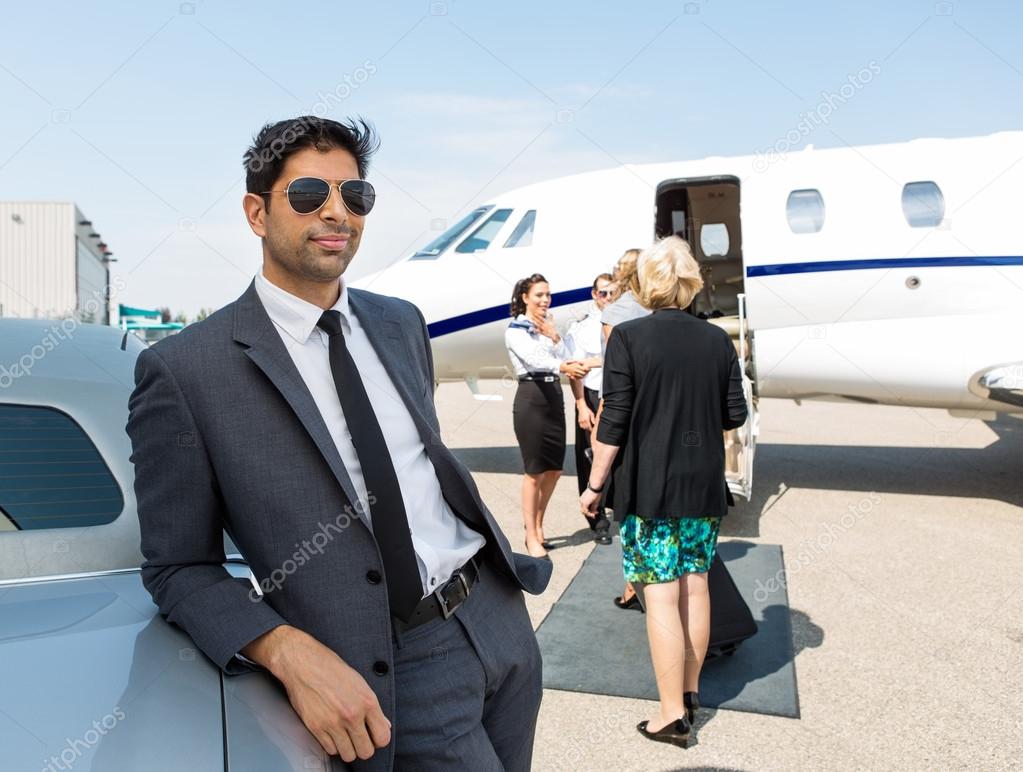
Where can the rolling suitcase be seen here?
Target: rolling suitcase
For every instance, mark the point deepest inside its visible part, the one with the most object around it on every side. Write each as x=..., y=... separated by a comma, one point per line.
x=731, y=621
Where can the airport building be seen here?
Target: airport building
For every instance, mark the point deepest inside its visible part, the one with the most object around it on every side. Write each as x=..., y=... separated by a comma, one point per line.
x=53, y=263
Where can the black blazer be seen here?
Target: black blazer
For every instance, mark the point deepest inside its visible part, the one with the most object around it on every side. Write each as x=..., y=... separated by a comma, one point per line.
x=671, y=387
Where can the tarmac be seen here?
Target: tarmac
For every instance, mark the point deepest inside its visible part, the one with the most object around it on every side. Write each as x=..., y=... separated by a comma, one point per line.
x=902, y=531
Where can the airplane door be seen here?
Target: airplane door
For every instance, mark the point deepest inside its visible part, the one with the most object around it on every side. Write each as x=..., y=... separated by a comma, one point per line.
x=705, y=211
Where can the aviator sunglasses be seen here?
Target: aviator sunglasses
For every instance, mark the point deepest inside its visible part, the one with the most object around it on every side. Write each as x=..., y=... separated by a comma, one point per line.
x=308, y=194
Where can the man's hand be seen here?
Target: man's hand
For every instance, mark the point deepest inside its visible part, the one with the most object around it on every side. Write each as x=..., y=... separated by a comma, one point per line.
x=573, y=368
x=332, y=699
x=585, y=415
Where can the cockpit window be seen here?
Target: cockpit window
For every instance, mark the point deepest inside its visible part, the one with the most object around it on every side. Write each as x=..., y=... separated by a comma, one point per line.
x=433, y=250
x=483, y=235
x=522, y=236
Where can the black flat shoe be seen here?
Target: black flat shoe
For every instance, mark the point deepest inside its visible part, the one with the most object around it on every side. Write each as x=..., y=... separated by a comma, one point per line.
x=675, y=733
x=692, y=702
x=625, y=605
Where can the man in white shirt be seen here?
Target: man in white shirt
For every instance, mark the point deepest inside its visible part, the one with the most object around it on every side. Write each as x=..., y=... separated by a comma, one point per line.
x=300, y=419
x=586, y=336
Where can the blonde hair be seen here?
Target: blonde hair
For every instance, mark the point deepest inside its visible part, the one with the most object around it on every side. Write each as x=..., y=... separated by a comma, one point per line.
x=625, y=279
x=668, y=274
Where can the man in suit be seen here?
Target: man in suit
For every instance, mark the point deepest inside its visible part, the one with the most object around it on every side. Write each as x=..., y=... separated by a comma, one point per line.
x=300, y=419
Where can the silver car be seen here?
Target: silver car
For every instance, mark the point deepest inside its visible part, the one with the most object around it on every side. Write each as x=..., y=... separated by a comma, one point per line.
x=91, y=677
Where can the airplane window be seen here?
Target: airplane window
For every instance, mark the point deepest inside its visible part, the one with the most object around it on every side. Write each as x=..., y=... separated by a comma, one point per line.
x=923, y=204
x=522, y=236
x=433, y=250
x=714, y=239
x=483, y=235
x=51, y=475
x=805, y=211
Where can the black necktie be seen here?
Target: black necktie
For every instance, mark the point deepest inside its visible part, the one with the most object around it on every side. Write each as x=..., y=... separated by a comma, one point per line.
x=390, y=522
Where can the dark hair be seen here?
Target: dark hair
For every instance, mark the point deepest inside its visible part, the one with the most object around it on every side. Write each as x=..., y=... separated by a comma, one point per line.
x=604, y=276
x=522, y=287
x=275, y=142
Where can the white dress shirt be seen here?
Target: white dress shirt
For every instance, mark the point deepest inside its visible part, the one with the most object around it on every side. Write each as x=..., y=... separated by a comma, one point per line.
x=587, y=341
x=531, y=352
x=442, y=542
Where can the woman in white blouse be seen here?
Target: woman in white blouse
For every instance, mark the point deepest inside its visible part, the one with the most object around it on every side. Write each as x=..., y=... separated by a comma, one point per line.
x=539, y=356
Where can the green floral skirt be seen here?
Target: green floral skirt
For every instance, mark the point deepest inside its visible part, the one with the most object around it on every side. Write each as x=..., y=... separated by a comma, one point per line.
x=656, y=550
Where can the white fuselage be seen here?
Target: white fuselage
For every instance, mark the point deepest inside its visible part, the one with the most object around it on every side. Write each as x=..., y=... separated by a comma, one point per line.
x=867, y=308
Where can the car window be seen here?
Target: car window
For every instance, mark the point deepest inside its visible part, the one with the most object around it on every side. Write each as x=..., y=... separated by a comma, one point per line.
x=51, y=474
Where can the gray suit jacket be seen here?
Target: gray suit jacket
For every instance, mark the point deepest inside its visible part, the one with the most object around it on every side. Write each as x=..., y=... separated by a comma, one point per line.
x=226, y=435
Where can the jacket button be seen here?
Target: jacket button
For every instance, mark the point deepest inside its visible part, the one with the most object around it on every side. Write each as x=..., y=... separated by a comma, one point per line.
x=380, y=667
x=373, y=576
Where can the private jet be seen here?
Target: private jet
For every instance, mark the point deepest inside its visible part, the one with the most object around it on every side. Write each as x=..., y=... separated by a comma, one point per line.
x=884, y=274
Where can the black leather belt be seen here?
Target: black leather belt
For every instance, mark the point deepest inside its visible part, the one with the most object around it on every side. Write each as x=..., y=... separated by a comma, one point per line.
x=540, y=377
x=443, y=601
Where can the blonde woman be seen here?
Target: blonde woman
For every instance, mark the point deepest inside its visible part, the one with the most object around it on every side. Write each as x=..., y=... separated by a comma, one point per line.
x=624, y=291
x=671, y=387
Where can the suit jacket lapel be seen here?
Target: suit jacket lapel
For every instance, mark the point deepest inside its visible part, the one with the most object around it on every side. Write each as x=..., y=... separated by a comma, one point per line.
x=265, y=348
x=389, y=341
x=391, y=344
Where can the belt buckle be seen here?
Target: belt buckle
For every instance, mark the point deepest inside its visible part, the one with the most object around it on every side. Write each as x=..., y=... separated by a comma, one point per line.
x=445, y=610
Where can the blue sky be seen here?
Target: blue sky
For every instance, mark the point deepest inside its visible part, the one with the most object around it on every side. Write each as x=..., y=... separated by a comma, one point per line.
x=140, y=112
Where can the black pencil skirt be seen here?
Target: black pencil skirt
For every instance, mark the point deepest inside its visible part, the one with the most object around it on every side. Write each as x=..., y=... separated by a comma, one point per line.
x=539, y=418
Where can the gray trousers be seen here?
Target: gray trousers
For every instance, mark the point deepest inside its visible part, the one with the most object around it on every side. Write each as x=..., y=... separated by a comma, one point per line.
x=468, y=688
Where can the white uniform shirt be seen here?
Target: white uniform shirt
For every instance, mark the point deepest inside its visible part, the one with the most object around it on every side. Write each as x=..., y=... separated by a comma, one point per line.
x=441, y=541
x=531, y=352
x=587, y=342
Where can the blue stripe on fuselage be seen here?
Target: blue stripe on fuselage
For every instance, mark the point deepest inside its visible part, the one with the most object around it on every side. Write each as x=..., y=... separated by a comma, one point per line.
x=495, y=313
x=755, y=271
